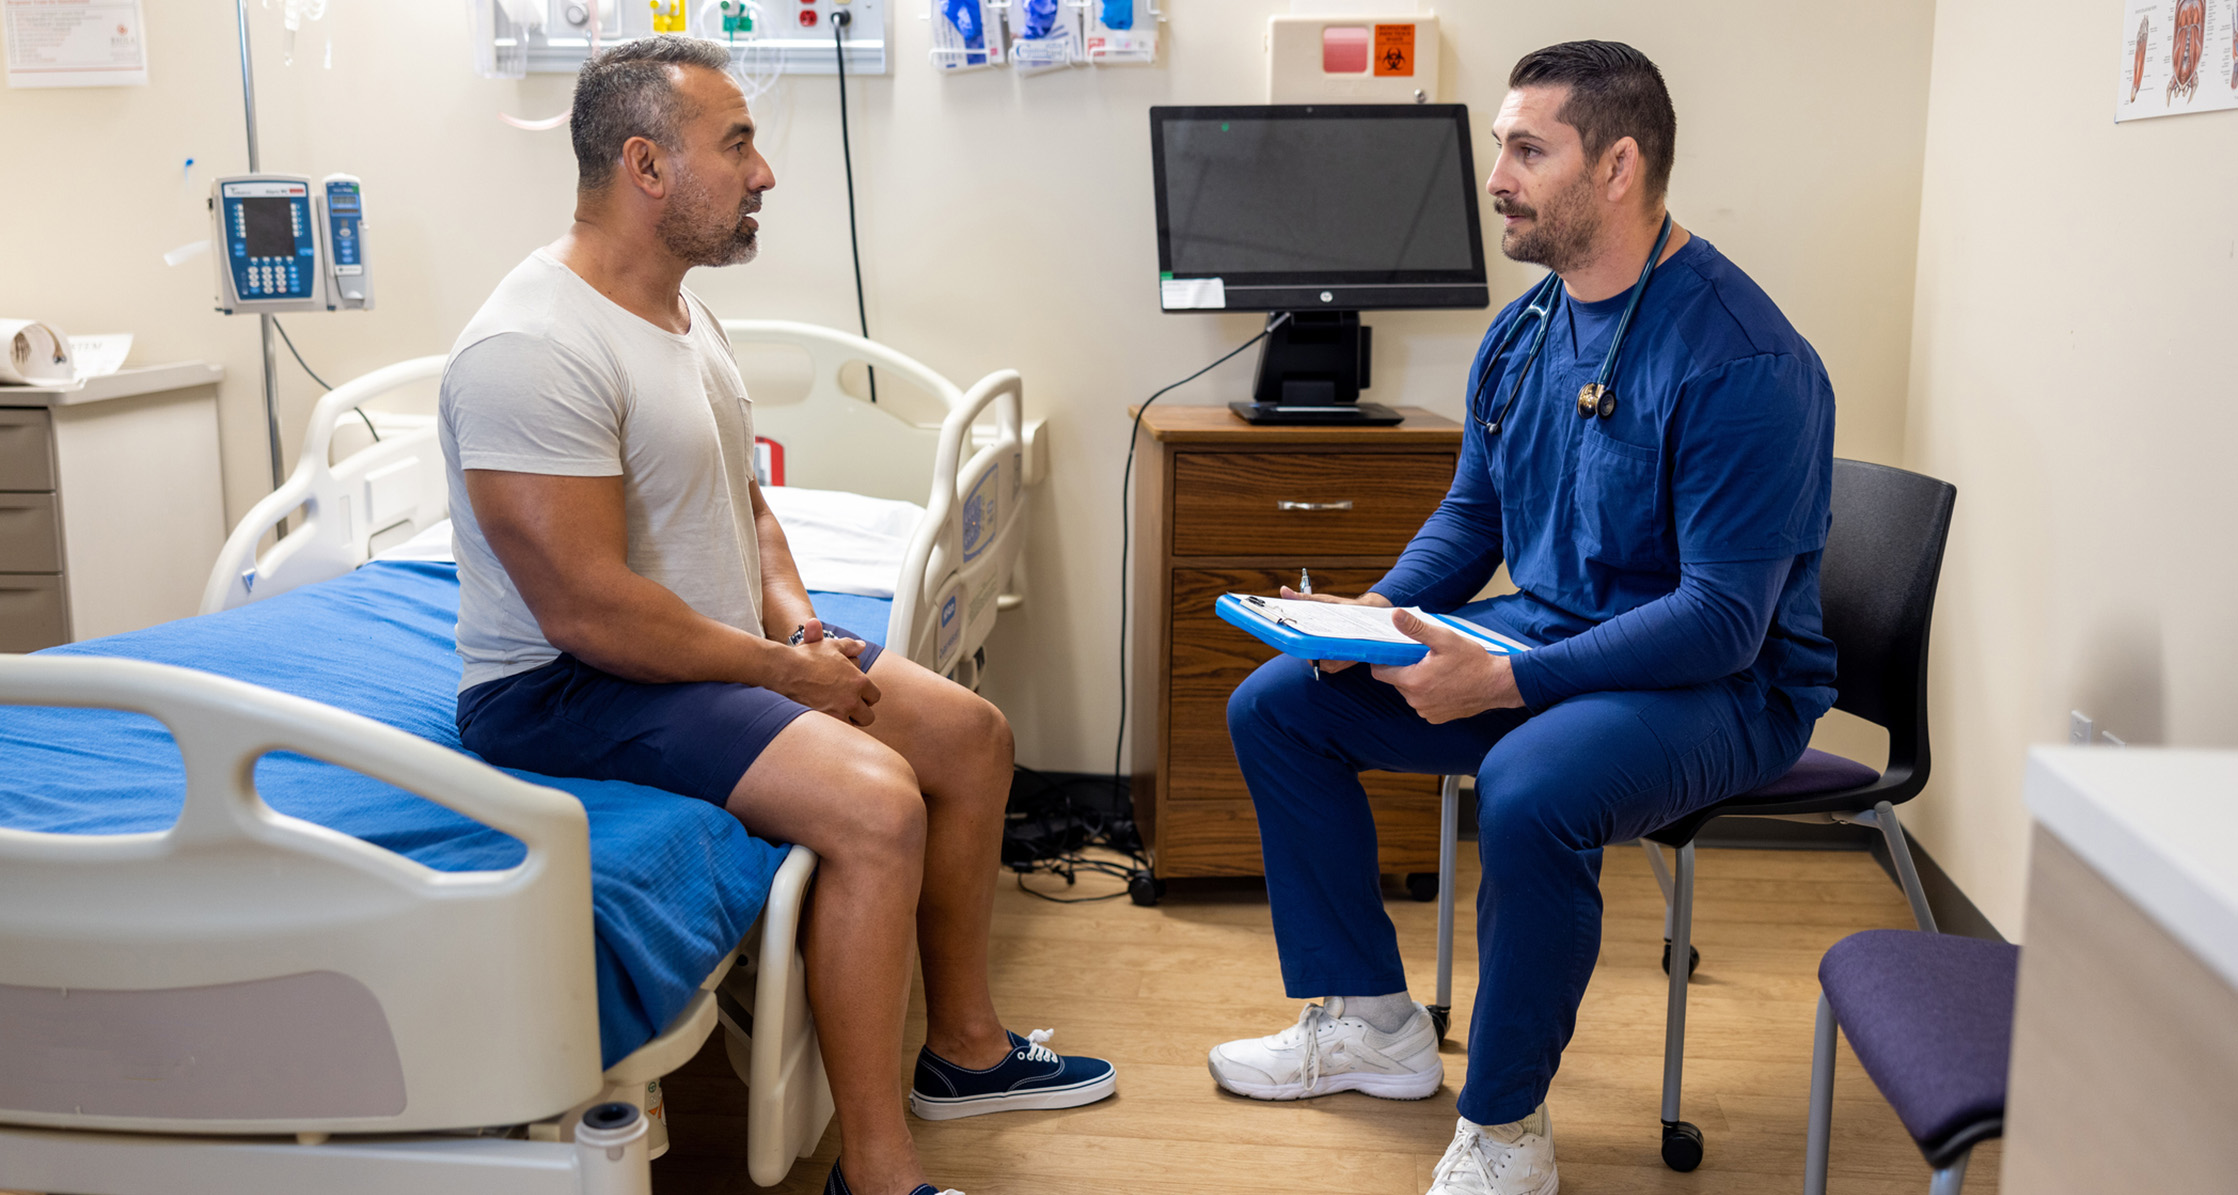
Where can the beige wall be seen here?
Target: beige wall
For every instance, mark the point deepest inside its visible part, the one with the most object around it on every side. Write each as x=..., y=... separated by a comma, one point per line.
x=2071, y=374
x=1007, y=222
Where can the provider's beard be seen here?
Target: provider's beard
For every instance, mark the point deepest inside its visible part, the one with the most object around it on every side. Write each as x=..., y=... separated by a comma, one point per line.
x=1561, y=234
x=697, y=230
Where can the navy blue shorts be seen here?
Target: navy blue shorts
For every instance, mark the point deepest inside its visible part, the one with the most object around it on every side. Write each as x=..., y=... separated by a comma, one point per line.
x=567, y=718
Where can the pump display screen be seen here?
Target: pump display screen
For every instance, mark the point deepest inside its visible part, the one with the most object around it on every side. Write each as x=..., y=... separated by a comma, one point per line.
x=268, y=227
x=1378, y=202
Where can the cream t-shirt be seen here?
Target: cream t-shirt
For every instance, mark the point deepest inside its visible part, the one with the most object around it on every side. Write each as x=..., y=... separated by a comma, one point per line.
x=553, y=377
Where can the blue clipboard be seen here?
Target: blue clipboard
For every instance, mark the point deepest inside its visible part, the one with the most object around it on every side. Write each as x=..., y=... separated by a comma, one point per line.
x=1291, y=642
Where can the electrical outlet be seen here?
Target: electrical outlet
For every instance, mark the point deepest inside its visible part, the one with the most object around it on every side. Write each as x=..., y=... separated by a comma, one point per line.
x=2078, y=728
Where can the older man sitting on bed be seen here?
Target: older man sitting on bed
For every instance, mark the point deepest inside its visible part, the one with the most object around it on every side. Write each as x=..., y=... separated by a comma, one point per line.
x=628, y=609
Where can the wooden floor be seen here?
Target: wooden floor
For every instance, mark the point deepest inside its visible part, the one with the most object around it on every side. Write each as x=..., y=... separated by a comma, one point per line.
x=1153, y=989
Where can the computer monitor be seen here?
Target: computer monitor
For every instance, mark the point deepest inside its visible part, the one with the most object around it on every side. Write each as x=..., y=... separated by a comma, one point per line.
x=1322, y=211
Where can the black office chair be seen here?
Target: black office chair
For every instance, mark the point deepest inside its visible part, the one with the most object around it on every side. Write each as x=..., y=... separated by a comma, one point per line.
x=1877, y=579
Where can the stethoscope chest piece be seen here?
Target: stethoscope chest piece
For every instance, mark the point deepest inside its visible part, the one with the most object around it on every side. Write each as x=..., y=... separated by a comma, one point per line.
x=1595, y=399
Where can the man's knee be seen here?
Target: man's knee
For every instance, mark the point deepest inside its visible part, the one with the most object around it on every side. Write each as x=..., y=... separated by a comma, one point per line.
x=1518, y=806
x=881, y=808
x=1257, y=704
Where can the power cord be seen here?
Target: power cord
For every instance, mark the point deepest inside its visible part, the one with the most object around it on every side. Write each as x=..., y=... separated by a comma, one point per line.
x=840, y=20
x=1119, y=778
x=321, y=381
x=1045, y=831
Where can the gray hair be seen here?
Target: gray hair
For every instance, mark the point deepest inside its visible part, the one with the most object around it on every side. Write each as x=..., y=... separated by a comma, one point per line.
x=629, y=91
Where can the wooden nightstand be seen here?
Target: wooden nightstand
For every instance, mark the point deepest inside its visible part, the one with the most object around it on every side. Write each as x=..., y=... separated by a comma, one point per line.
x=1222, y=505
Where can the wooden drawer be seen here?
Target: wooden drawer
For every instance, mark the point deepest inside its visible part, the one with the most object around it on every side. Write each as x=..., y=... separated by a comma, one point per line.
x=1214, y=838
x=26, y=460
x=1208, y=660
x=31, y=613
x=1304, y=503
x=30, y=534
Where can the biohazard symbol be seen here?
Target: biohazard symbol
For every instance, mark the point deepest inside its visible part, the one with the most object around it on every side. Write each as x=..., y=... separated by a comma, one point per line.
x=1394, y=50
x=2186, y=47
x=2137, y=66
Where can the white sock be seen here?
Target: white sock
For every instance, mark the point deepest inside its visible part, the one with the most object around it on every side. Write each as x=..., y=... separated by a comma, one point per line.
x=1509, y=1134
x=1388, y=1014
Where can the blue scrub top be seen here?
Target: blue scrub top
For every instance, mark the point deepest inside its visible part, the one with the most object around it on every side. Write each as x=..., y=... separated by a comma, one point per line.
x=1720, y=451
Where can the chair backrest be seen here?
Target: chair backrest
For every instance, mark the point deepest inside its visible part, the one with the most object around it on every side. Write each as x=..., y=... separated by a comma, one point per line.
x=1877, y=579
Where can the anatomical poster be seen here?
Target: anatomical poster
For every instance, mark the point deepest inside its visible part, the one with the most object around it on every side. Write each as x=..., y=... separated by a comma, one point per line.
x=2177, y=56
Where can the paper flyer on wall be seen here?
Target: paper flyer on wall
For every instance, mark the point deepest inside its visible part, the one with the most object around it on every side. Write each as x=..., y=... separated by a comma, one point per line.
x=2177, y=56
x=74, y=43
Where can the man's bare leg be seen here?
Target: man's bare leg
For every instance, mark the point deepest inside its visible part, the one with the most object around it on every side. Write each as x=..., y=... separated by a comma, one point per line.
x=960, y=747
x=857, y=804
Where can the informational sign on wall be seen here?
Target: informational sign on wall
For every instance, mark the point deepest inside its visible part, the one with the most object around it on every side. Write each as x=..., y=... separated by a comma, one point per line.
x=74, y=43
x=2177, y=56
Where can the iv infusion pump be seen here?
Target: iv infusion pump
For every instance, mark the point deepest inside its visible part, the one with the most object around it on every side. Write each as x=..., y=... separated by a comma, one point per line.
x=285, y=243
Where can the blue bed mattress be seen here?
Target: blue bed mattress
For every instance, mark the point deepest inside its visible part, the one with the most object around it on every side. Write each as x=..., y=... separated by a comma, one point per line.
x=675, y=881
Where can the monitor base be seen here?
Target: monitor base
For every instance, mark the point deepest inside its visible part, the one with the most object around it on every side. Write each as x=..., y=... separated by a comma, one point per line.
x=1366, y=414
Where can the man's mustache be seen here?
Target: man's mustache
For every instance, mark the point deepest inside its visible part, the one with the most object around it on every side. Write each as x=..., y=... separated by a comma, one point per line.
x=1511, y=207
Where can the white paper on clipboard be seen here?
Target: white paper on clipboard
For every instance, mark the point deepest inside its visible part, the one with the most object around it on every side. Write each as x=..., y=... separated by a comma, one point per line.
x=74, y=43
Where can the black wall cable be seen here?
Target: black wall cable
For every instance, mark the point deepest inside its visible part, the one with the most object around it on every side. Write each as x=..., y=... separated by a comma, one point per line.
x=1119, y=774
x=840, y=21
x=321, y=381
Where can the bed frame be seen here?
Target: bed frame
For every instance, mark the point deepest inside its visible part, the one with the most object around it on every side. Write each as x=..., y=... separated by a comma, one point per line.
x=137, y=1055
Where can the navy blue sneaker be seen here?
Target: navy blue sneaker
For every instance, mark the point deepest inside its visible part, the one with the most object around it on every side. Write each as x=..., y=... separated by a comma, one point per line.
x=1031, y=1076
x=836, y=1184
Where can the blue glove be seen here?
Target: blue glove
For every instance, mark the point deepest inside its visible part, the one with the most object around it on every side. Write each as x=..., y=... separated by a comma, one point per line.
x=1041, y=17
x=1118, y=14
x=964, y=15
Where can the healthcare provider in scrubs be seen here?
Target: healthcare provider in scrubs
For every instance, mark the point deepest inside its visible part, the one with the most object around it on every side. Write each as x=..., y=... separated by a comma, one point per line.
x=1662, y=510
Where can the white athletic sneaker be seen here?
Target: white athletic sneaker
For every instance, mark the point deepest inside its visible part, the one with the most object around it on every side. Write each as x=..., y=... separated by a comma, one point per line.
x=1478, y=1163
x=1327, y=1051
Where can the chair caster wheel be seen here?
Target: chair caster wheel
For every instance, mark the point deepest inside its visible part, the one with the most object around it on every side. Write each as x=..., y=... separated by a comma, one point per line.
x=1144, y=889
x=1422, y=885
x=1693, y=959
x=1442, y=1017
x=1682, y=1146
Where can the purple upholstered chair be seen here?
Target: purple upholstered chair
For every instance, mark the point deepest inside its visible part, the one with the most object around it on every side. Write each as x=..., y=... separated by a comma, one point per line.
x=1931, y=1019
x=1877, y=587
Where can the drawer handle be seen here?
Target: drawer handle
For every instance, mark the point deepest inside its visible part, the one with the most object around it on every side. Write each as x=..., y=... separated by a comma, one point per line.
x=1286, y=504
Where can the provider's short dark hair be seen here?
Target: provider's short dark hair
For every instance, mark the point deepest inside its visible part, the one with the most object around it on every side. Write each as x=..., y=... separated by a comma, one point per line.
x=629, y=91
x=1615, y=92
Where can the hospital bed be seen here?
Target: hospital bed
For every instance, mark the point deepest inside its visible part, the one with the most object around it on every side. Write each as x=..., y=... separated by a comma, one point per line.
x=323, y=952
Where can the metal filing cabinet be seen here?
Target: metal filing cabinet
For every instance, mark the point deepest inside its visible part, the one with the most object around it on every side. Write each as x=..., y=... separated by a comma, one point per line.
x=110, y=508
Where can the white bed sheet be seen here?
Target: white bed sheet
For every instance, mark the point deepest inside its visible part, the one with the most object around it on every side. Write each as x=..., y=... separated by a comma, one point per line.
x=842, y=542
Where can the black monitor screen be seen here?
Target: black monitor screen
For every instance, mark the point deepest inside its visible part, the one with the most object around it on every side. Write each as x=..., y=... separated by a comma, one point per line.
x=268, y=226
x=1275, y=198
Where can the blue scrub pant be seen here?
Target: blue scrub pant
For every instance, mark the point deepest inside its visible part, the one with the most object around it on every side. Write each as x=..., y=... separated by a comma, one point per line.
x=1552, y=789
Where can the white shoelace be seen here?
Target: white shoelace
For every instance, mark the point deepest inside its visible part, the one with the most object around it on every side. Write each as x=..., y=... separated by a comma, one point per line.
x=1309, y=1024
x=1469, y=1148
x=1035, y=1052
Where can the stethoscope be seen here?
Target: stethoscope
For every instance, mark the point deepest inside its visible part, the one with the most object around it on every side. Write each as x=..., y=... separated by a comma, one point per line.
x=1598, y=397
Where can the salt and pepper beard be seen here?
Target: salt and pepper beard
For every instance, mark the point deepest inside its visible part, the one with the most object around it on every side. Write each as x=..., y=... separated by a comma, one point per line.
x=698, y=230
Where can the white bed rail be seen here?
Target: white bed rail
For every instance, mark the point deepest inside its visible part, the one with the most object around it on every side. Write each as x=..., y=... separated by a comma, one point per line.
x=963, y=554
x=385, y=490
x=248, y=972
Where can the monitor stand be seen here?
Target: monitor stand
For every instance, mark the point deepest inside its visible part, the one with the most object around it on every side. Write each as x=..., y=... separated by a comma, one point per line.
x=1312, y=369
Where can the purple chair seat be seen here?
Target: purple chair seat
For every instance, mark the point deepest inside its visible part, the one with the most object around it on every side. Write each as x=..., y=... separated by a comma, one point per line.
x=1817, y=772
x=1931, y=1018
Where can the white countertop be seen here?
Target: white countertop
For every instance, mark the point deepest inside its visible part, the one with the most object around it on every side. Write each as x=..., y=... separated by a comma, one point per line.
x=2161, y=825
x=124, y=383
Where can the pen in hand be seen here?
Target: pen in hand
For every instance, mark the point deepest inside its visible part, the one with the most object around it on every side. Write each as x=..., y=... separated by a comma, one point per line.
x=1305, y=582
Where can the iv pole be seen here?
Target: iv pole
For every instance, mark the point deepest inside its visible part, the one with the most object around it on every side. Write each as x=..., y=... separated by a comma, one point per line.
x=264, y=318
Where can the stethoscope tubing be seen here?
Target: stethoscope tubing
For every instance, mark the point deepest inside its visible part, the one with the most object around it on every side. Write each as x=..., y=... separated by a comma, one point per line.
x=1540, y=306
